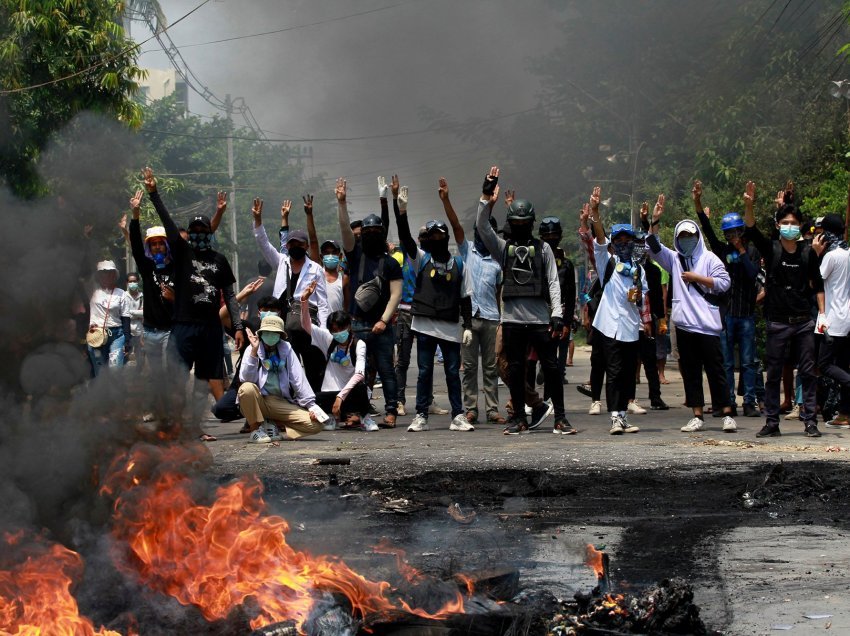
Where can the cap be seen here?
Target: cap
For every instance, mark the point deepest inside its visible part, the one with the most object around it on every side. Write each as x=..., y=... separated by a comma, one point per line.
x=622, y=228
x=272, y=323
x=298, y=235
x=106, y=266
x=157, y=231
x=819, y=221
x=201, y=219
x=687, y=226
x=832, y=223
x=329, y=243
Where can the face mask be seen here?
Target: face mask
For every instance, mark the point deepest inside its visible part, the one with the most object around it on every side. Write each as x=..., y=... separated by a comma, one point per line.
x=639, y=253
x=688, y=244
x=623, y=251
x=426, y=245
x=133, y=287
x=440, y=249
x=734, y=234
x=789, y=232
x=373, y=244
x=199, y=240
x=553, y=243
x=330, y=261
x=264, y=314
x=341, y=336
x=270, y=338
x=296, y=252
x=833, y=240
x=159, y=260
x=521, y=232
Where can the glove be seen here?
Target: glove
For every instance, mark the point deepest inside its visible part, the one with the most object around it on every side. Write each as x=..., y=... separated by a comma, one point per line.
x=662, y=327
x=467, y=337
x=402, y=199
x=821, y=325
x=489, y=185
x=383, y=188
x=556, y=326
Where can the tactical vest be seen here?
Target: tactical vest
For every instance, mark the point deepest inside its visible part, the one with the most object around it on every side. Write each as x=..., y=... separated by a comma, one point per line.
x=438, y=290
x=566, y=272
x=522, y=266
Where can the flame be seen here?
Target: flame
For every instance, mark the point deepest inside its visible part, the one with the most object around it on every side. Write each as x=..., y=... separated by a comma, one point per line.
x=35, y=595
x=593, y=559
x=468, y=582
x=614, y=602
x=218, y=556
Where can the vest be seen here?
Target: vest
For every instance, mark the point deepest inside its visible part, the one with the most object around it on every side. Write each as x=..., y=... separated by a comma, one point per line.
x=522, y=266
x=438, y=291
x=566, y=273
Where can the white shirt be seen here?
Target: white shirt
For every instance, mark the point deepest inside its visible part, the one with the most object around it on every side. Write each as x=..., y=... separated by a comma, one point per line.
x=136, y=313
x=118, y=307
x=336, y=375
x=616, y=317
x=336, y=299
x=441, y=329
x=835, y=270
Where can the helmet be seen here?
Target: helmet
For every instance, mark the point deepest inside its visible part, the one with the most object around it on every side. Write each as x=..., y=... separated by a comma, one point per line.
x=550, y=225
x=731, y=221
x=622, y=228
x=436, y=226
x=521, y=210
x=373, y=220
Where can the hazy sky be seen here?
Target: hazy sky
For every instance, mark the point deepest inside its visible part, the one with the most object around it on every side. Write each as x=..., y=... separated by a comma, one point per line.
x=371, y=74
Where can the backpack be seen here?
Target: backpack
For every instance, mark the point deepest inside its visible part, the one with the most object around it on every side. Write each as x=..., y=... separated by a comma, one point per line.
x=596, y=289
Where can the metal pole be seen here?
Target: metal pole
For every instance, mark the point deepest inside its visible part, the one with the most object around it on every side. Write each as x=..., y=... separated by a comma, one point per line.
x=234, y=261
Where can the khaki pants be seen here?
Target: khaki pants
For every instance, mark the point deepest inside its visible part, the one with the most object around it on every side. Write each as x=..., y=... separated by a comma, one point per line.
x=257, y=407
x=483, y=343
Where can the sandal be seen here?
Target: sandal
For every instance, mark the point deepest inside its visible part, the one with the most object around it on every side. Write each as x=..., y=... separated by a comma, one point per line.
x=352, y=421
x=208, y=438
x=389, y=421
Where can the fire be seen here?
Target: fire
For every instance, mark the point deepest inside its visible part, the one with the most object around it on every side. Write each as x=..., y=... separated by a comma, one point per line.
x=35, y=594
x=594, y=560
x=614, y=602
x=222, y=554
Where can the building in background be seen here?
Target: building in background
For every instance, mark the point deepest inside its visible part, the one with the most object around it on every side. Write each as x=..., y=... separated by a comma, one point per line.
x=161, y=83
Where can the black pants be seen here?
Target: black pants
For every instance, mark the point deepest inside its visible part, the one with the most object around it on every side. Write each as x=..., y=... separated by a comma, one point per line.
x=834, y=362
x=648, y=358
x=800, y=338
x=700, y=352
x=620, y=360
x=517, y=338
x=355, y=403
x=226, y=409
x=597, y=366
x=313, y=360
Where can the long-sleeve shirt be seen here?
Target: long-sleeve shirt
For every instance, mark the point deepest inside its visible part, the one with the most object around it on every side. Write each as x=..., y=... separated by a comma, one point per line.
x=616, y=317
x=157, y=311
x=484, y=275
x=292, y=383
x=136, y=304
x=524, y=310
x=310, y=271
x=742, y=268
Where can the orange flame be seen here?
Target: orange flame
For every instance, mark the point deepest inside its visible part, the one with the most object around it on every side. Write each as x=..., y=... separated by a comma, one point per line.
x=35, y=595
x=614, y=602
x=593, y=560
x=218, y=556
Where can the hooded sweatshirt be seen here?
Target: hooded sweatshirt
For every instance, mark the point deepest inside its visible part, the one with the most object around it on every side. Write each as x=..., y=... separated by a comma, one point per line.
x=691, y=311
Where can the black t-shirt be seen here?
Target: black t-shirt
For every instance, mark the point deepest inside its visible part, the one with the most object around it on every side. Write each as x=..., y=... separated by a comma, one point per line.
x=391, y=271
x=157, y=311
x=199, y=275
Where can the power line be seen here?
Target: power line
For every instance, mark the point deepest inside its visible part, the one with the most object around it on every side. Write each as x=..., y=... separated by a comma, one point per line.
x=102, y=62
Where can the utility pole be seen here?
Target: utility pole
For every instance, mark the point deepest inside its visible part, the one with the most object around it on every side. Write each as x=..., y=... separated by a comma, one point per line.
x=234, y=261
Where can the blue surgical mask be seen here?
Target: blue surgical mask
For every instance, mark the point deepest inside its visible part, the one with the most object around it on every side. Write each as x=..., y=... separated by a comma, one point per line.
x=270, y=338
x=789, y=232
x=330, y=261
x=133, y=287
x=159, y=260
x=264, y=314
x=688, y=245
x=341, y=336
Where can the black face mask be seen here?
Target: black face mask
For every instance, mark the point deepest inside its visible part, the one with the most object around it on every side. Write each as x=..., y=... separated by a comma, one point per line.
x=373, y=244
x=521, y=233
x=553, y=243
x=425, y=245
x=440, y=249
x=297, y=253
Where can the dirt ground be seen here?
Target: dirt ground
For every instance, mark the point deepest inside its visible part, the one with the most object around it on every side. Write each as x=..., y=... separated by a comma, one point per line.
x=757, y=526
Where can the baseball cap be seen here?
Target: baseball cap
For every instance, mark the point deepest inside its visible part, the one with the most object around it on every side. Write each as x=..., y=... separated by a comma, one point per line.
x=201, y=219
x=157, y=231
x=106, y=266
x=329, y=243
x=687, y=226
x=298, y=235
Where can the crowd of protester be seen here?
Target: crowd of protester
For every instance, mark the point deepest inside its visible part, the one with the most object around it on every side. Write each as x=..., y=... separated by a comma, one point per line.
x=329, y=322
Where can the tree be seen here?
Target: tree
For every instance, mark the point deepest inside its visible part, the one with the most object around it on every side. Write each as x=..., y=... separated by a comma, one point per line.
x=58, y=58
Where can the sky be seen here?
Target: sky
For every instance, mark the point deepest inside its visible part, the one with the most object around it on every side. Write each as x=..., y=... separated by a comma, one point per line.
x=370, y=74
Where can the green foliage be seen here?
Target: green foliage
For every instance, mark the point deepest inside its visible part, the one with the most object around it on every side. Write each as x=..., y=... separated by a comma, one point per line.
x=80, y=43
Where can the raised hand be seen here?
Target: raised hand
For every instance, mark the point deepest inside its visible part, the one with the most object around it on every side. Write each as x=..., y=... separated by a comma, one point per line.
x=644, y=211
x=122, y=223
x=221, y=202
x=257, y=212
x=510, y=195
x=707, y=211
x=136, y=203
x=252, y=287
x=308, y=291
x=491, y=180
x=308, y=204
x=750, y=195
x=658, y=210
x=402, y=199
x=595, y=198
x=696, y=192
x=341, y=189
x=148, y=179
x=285, y=207
x=395, y=186
x=583, y=216
x=383, y=188
x=443, y=189
x=254, y=339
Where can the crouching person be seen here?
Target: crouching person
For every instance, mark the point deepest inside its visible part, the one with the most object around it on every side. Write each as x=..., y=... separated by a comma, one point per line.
x=344, y=392
x=274, y=391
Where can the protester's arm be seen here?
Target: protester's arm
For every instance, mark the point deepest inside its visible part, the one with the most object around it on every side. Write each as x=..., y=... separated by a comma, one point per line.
x=585, y=235
x=703, y=215
x=272, y=256
x=569, y=302
x=660, y=253
x=249, y=369
x=749, y=263
x=233, y=310
x=220, y=209
x=594, y=218
x=359, y=372
x=408, y=243
x=451, y=215
x=312, y=235
x=552, y=281
x=137, y=246
x=243, y=295
x=392, y=304
x=344, y=223
x=283, y=232
x=306, y=323
x=122, y=225
x=749, y=205
x=302, y=394
x=175, y=241
x=489, y=195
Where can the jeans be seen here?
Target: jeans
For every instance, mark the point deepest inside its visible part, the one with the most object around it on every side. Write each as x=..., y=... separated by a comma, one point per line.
x=110, y=354
x=834, y=363
x=483, y=343
x=380, y=347
x=156, y=343
x=426, y=348
x=740, y=331
x=404, y=345
x=802, y=338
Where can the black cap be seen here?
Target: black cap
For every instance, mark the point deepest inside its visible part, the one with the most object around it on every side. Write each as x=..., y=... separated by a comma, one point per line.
x=298, y=235
x=201, y=220
x=330, y=243
x=833, y=223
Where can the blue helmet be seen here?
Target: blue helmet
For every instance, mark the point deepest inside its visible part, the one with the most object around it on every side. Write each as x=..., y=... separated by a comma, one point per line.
x=731, y=221
x=622, y=228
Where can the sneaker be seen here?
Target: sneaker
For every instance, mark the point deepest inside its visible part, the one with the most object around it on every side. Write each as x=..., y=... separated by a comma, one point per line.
x=794, y=413
x=516, y=426
x=330, y=424
x=461, y=423
x=419, y=423
x=751, y=410
x=540, y=413
x=378, y=385
x=436, y=409
x=628, y=427
x=659, y=405
x=769, y=430
x=636, y=409
x=618, y=426
x=729, y=425
x=259, y=437
x=584, y=389
x=563, y=427
x=694, y=424
x=595, y=408
x=400, y=409
x=812, y=430
x=839, y=421
x=272, y=431
x=369, y=424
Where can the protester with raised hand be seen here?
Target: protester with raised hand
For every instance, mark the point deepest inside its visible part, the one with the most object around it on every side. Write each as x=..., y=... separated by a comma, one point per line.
x=441, y=311
x=741, y=261
x=295, y=272
x=699, y=281
x=375, y=282
x=531, y=295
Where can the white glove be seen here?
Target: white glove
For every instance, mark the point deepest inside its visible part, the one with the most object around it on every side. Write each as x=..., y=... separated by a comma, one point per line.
x=821, y=326
x=402, y=199
x=383, y=188
x=467, y=337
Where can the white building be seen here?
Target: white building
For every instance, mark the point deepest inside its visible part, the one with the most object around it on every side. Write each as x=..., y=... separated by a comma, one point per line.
x=161, y=83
